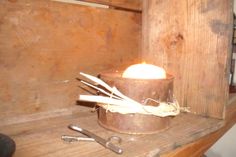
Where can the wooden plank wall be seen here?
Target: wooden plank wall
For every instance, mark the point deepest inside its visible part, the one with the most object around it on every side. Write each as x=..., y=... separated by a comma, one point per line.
x=44, y=45
x=135, y=5
x=191, y=40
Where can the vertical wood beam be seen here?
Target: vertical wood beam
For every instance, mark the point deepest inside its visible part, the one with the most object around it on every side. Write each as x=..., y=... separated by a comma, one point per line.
x=191, y=40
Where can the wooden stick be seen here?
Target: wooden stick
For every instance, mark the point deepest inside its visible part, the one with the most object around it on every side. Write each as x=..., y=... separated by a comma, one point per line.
x=89, y=4
x=106, y=100
x=99, y=89
x=112, y=90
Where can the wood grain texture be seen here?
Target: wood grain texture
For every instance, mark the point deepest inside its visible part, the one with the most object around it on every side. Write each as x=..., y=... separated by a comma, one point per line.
x=191, y=40
x=188, y=135
x=135, y=5
x=43, y=139
x=44, y=45
x=199, y=147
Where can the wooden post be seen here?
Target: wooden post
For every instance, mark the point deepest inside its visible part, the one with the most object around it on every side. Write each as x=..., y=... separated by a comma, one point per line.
x=191, y=40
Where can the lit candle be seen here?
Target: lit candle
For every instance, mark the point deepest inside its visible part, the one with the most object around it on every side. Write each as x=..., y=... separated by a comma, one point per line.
x=144, y=71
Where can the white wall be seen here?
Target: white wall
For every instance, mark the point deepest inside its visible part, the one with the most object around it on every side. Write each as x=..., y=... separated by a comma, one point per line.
x=225, y=146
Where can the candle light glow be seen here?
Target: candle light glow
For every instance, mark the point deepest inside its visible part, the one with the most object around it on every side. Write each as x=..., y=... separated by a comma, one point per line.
x=144, y=71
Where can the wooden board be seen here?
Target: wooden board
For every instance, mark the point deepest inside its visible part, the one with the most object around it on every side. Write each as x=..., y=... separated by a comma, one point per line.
x=44, y=45
x=43, y=139
x=188, y=135
x=200, y=146
x=191, y=40
x=129, y=5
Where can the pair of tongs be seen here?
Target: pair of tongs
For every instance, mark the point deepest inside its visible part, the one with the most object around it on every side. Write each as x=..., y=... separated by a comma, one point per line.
x=92, y=137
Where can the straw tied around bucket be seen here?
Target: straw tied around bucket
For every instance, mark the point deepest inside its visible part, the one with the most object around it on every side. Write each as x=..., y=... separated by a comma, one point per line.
x=116, y=102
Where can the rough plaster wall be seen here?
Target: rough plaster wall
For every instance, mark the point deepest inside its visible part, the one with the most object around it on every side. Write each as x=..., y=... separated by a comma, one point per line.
x=44, y=45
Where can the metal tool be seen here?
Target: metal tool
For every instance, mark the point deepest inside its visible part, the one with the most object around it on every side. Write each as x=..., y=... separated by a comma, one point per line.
x=92, y=137
x=68, y=138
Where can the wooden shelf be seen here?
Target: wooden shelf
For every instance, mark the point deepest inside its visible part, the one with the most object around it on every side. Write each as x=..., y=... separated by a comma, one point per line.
x=188, y=135
x=232, y=98
x=42, y=137
x=200, y=85
x=198, y=147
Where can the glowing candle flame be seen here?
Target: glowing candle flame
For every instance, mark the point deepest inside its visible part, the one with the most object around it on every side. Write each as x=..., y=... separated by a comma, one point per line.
x=144, y=71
